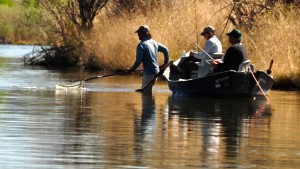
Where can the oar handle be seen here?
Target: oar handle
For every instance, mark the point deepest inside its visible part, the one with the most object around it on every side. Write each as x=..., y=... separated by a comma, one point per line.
x=269, y=70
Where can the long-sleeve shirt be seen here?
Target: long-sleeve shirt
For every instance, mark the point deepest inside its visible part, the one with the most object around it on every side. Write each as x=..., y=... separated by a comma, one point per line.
x=233, y=57
x=212, y=45
x=147, y=53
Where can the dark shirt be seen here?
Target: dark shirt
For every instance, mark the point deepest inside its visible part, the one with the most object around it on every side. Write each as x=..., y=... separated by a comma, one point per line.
x=234, y=56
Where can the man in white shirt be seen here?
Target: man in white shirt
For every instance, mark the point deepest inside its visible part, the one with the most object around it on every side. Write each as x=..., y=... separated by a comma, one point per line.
x=212, y=46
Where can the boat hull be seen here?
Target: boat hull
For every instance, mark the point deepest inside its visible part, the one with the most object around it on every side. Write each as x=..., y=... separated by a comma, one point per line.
x=229, y=83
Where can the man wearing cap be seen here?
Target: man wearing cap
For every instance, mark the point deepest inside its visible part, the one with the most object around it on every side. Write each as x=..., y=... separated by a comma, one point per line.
x=147, y=53
x=212, y=46
x=235, y=54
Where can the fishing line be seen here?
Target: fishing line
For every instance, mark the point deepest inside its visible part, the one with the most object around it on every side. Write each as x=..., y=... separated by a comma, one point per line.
x=258, y=84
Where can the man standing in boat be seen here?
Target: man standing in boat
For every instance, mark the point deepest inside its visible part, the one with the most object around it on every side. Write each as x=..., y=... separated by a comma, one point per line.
x=235, y=54
x=147, y=53
x=212, y=46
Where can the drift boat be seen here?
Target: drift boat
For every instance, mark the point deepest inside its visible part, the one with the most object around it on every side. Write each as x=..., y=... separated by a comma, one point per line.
x=228, y=83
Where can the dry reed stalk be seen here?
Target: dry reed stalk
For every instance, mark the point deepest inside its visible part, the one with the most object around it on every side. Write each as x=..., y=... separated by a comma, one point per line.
x=115, y=42
x=273, y=37
x=276, y=37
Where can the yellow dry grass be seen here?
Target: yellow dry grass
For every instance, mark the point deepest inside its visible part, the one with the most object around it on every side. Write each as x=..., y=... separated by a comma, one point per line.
x=275, y=36
x=177, y=27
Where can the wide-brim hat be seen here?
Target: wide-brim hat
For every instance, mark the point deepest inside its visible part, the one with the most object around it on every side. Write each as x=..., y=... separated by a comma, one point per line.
x=143, y=29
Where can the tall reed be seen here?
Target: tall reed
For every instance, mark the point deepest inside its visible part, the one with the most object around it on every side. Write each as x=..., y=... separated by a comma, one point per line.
x=274, y=36
x=177, y=27
x=20, y=25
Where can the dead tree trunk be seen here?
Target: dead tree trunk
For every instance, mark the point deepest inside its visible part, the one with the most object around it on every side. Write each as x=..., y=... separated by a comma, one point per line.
x=82, y=12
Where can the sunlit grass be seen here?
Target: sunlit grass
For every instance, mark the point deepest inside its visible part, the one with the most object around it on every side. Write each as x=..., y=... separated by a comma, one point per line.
x=20, y=25
x=275, y=37
x=177, y=28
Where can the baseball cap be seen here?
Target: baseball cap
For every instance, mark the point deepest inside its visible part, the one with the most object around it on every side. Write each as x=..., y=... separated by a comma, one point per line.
x=143, y=28
x=208, y=29
x=235, y=33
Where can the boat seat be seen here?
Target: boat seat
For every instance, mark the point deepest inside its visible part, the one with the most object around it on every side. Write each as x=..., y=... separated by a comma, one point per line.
x=217, y=55
x=244, y=66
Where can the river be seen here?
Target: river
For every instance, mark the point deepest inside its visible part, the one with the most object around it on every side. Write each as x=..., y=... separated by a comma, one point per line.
x=108, y=125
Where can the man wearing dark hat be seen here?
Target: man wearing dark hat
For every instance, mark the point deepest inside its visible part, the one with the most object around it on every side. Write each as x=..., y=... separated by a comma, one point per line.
x=235, y=54
x=147, y=53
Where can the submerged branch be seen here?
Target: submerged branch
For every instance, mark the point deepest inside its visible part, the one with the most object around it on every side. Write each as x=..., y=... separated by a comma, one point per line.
x=53, y=56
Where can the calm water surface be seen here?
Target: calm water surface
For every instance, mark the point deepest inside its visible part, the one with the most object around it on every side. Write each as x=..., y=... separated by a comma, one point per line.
x=108, y=125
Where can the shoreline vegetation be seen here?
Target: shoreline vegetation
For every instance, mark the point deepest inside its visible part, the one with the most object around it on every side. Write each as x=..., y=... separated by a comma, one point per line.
x=107, y=40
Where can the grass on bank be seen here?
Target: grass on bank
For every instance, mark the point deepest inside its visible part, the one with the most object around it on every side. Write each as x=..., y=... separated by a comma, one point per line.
x=177, y=27
x=21, y=25
x=275, y=36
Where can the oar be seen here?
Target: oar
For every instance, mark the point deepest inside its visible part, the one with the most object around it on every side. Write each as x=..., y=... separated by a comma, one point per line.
x=269, y=70
x=96, y=77
x=75, y=84
x=156, y=76
x=102, y=76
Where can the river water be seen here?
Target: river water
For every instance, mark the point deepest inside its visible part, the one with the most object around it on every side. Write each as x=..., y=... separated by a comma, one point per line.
x=108, y=125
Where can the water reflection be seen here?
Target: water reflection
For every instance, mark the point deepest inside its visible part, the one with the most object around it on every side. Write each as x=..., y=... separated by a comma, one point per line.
x=144, y=126
x=79, y=143
x=222, y=124
x=110, y=126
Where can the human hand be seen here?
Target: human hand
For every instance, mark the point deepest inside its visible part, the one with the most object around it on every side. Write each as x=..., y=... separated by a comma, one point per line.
x=162, y=66
x=192, y=53
x=127, y=70
x=214, y=64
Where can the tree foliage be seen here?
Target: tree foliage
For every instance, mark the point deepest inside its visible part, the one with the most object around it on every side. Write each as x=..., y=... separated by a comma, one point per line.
x=30, y=3
x=244, y=12
x=6, y=2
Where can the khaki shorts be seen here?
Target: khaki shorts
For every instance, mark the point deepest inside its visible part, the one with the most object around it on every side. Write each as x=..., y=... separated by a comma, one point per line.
x=146, y=80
